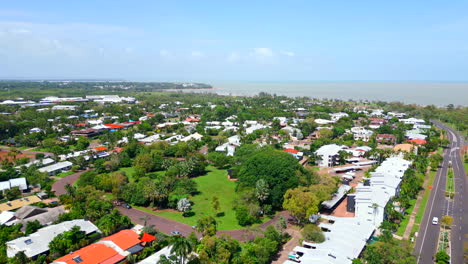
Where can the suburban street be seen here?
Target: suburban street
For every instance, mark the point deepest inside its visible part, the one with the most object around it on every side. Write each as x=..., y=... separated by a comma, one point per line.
x=426, y=243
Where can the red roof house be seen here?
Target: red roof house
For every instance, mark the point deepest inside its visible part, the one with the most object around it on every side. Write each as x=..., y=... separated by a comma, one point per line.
x=114, y=126
x=290, y=150
x=147, y=237
x=418, y=141
x=100, y=148
x=124, y=239
x=92, y=254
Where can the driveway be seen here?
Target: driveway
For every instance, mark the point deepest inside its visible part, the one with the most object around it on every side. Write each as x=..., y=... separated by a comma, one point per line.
x=59, y=186
x=167, y=225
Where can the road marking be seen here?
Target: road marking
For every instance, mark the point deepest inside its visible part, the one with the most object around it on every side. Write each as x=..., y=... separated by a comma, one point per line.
x=430, y=213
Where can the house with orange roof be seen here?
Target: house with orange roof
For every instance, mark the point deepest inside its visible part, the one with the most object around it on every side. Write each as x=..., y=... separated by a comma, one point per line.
x=109, y=250
x=92, y=254
x=417, y=141
x=126, y=242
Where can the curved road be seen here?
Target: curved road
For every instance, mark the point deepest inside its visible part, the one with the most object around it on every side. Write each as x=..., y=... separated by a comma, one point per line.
x=426, y=243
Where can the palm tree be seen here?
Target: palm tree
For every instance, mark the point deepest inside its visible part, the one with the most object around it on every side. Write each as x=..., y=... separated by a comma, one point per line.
x=144, y=219
x=374, y=207
x=181, y=247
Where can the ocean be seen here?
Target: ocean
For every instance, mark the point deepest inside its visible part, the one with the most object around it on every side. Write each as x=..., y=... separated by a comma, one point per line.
x=422, y=93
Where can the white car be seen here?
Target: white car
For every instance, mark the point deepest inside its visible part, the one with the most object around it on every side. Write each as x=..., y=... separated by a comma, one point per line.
x=435, y=220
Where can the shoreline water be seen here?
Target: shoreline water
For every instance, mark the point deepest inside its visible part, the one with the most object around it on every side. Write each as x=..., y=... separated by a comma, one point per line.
x=421, y=93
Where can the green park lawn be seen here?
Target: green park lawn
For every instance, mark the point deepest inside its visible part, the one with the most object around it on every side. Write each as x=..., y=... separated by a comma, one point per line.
x=64, y=174
x=214, y=183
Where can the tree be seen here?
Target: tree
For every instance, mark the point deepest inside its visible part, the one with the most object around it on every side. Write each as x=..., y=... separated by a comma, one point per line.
x=184, y=205
x=279, y=169
x=215, y=204
x=207, y=226
x=12, y=193
x=262, y=190
x=113, y=221
x=442, y=257
x=144, y=162
x=181, y=247
x=32, y=227
x=301, y=203
x=67, y=241
x=313, y=233
x=446, y=221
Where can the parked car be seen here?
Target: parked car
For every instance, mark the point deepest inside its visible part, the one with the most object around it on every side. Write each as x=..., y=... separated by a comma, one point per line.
x=175, y=233
x=126, y=205
x=435, y=220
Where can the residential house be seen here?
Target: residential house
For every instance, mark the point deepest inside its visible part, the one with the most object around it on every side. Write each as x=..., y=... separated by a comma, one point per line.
x=328, y=155
x=57, y=168
x=384, y=183
x=38, y=243
x=386, y=139
x=412, y=121
x=360, y=133
x=109, y=250
x=345, y=239
x=337, y=116
x=29, y=213
x=17, y=182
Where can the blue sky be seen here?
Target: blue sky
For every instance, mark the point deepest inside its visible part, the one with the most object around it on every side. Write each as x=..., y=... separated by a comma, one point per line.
x=235, y=40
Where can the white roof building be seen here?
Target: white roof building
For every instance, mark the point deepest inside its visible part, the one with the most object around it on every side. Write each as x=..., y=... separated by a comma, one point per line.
x=412, y=121
x=18, y=182
x=327, y=156
x=38, y=243
x=150, y=139
x=337, y=116
x=195, y=136
x=64, y=165
x=345, y=239
x=384, y=184
x=323, y=121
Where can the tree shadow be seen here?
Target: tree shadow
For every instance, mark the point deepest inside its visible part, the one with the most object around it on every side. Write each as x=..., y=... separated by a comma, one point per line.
x=220, y=214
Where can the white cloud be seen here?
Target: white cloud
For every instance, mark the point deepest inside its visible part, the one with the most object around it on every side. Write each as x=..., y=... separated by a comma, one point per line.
x=197, y=54
x=262, y=52
x=165, y=53
x=288, y=53
x=233, y=57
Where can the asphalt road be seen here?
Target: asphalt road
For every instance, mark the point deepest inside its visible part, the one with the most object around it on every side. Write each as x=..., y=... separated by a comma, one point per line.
x=426, y=243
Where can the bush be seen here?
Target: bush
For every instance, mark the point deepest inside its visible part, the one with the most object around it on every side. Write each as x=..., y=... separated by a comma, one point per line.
x=313, y=233
x=243, y=216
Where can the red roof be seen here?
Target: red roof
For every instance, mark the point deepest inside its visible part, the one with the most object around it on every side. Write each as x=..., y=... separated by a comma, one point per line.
x=100, y=148
x=114, y=126
x=192, y=119
x=124, y=239
x=386, y=136
x=418, y=141
x=376, y=119
x=80, y=124
x=147, y=237
x=117, y=150
x=150, y=115
x=92, y=254
x=290, y=150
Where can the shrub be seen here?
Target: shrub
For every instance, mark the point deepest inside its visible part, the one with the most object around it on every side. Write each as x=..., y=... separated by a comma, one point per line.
x=313, y=233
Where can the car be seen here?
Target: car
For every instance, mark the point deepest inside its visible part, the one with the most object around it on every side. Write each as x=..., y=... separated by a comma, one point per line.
x=126, y=205
x=435, y=220
x=175, y=233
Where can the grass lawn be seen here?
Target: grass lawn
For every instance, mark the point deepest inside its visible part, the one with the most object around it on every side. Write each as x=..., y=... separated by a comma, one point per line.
x=129, y=171
x=422, y=207
x=466, y=167
x=214, y=183
x=64, y=174
x=39, y=149
x=404, y=222
x=450, y=184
